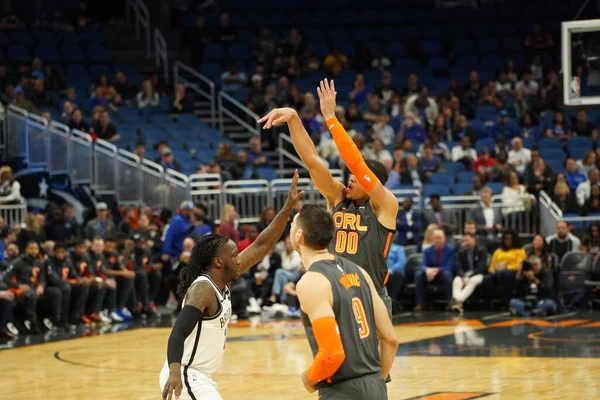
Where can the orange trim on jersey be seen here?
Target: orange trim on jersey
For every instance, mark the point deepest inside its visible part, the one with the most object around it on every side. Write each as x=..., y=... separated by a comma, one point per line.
x=387, y=276
x=388, y=243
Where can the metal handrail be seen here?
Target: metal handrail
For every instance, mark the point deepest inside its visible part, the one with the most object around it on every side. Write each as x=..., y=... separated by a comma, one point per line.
x=141, y=18
x=283, y=152
x=161, y=53
x=245, y=110
x=546, y=201
x=209, y=95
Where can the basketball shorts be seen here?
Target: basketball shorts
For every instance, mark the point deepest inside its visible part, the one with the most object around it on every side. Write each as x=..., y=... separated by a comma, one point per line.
x=197, y=386
x=367, y=387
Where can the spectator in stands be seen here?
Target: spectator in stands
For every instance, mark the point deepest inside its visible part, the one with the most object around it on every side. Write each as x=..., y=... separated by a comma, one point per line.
x=168, y=161
x=19, y=100
x=588, y=162
x=558, y=128
x=396, y=266
x=147, y=97
x=412, y=86
x=10, y=189
x=264, y=47
x=233, y=79
x=503, y=266
x=361, y=91
x=487, y=219
x=572, y=175
x=376, y=112
x=335, y=62
x=534, y=290
x=241, y=170
x=267, y=214
x=464, y=153
x=484, y=164
x=444, y=220
x=528, y=86
x=564, y=199
x=251, y=235
x=430, y=163
x=562, y=241
x=440, y=149
x=500, y=145
x=177, y=231
x=77, y=122
x=229, y=223
x=67, y=112
x=38, y=95
x=352, y=114
x=310, y=122
x=539, y=248
x=590, y=243
x=583, y=190
x=411, y=130
x=538, y=175
x=592, y=204
x=413, y=174
x=73, y=98
x=256, y=156
x=503, y=128
x=256, y=95
x=107, y=90
x=519, y=156
x=128, y=222
x=104, y=129
x=30, y=233
x=423, y=106
x=471, y=266
x=489, y=97
x=291, y=264
x=182, y=103
x=225, y=157
x=139, y=150
x=529, y=127
x=126, y=89
x=101, y=226
x=437, y=267
x=537, y=69
x=516, y=105
x=427, y=238
x=476, y=186
x=386, y=90
x=502, y=168
x=504, y=86
x=382, y=154
x=63, y=228
x=408, y=224
x=512, y=195
x=225, y=33
x=12, y=253
x=583, y=127
x=543, y=103
x=200, y=227
x=283, y=94
x=538, y=39
x=294, y=45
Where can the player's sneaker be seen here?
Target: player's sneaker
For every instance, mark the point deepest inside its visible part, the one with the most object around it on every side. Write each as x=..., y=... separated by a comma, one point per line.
x=293, y=312
x=47, y=324
x=172, y=305
x=253, y=307
x=12, y=329
x=86, y=319
x=28, y=325
x=114, y=316
x=125, y=314
x=104, y=317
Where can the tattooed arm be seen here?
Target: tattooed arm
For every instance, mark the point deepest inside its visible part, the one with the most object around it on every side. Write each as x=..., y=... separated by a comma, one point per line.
x=199, y=299
x=266, y=241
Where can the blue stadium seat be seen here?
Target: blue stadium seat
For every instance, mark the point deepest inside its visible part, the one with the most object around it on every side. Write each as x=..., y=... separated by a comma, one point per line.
x=453, y=168
x=486, y=113
x=580, y=141
x=22, y=38
x=463, y=46
x=188, y=119
x=267, y=173
x=460, y=189
x=485, y=142
x=430, y=189
x=431, y=47
x=73, y=54
x=395, y=49
x=91, y=35
x=549, y=143
x=68, y=38
x=359, y=126
x=491, y=62
x=504, y=30
x=495, y=186
x=98, y=53
x=510, y=44
x=98, y=69
x=45, y=38
x=479, y=127
x=319, y=49
x=441, y=179
x=47, y=53
x=375, y=48
x=489, y=45
x=238, y=51
x=214, y=52
x=557, y=165
x=161, y=119
x=18, y=54
x=442, y=85
x=212, y=71
x=437, y=64
x=76, y=70
x=578, y=152
x=465, y=177
x=553, y=154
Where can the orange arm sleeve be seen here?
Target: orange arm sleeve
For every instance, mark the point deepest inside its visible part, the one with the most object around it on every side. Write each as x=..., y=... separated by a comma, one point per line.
x=351, y=155
x=331, y=353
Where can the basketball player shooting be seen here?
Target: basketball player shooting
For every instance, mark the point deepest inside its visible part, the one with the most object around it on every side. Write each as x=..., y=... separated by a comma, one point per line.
x=343, y=317
x=197, y=341
x=364, y=212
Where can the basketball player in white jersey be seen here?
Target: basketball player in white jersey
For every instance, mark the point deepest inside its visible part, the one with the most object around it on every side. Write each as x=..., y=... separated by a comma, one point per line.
x=197, y=342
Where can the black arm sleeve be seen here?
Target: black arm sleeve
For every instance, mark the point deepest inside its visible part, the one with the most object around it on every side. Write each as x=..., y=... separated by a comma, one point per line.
x=188, y=318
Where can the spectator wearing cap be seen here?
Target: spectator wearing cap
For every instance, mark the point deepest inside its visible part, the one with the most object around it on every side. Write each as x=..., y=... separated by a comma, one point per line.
x=385, y=91
x=177, y=231
x=100, y=226
x=21, y=102
x=168, y=161
x=411, y=130
x=519, y=156
x=256, y=95
x=572, y=175
x=104, y=129
x=10, y=189
x=63, y=227
x=503, y=128
x=484, y=164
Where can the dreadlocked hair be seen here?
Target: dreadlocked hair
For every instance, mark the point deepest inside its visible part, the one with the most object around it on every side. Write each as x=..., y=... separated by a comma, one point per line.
x=204, y=251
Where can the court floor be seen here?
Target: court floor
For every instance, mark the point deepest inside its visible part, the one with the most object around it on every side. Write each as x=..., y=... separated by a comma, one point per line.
x=484, y=356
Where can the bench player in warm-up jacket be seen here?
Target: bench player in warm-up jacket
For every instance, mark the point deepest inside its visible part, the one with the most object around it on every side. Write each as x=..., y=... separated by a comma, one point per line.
x=197, y=342
x=344, y=318
x=364, y=213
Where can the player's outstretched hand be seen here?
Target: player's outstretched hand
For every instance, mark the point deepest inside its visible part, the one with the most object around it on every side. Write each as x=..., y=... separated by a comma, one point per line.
x=173, y=385
x=326, y=91
x=293, y=195
x=277, y=116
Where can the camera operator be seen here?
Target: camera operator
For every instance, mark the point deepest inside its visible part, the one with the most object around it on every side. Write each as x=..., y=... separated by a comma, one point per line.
x=534, y=290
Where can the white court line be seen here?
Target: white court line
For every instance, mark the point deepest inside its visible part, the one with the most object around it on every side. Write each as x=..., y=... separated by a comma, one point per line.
x=494, y=316
x=558, y=316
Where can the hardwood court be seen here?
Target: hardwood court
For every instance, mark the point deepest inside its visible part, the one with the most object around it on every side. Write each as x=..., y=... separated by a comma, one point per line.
x=443, y=359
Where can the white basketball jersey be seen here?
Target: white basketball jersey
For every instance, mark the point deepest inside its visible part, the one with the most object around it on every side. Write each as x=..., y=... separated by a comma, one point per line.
x=203, y=350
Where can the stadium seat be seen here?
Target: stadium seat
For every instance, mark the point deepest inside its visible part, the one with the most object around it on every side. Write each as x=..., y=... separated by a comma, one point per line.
x=47, y=53
x=22, y=38
x=430, y=189
x=74, y=70
x=98, y=69
x=549, y=143
x=460, y=189
x=73, y=54
x=495, y=186
x=512, y=44
x=18, y=54
x=45, y=38
x=580, y=141
x=553, y=154
x=98, y=53
x=486, y=142
x=453, y=168
x=465, y=177
x=463, y=46
x=441, y=179
x=267, y=173
x=489, y=45
x=319, y=49
x=437, y=64
x=395, y=49
x=238, y=51
x=431, y=47
x=214, y=52
x=486, y=113
x=578, y=152
x=479, y=128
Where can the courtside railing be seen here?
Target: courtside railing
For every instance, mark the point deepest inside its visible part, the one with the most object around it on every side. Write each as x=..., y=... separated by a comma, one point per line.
x=199, y=84
x=550, y=215
x=237, y=112
x=137, y=10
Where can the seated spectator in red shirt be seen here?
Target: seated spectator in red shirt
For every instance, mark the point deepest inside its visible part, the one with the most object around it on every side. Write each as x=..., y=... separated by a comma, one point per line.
x=538, y=39
x=484, y=164
x=251, y=235
x=229, y=223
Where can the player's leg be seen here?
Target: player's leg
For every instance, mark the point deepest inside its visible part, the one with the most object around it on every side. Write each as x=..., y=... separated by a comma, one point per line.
x=79, y=295
x=65, y=292
x=142, y=289
x=50, y=303
x=196, y=386
x=154, y=280
x=28, y=302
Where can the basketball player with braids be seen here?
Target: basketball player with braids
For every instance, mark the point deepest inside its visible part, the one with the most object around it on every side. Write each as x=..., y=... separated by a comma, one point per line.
x=197, y=341
x=364, y=213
